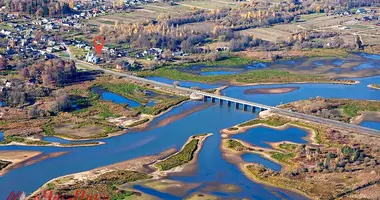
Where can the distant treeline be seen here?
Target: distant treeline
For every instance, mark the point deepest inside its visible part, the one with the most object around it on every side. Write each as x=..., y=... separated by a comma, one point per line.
x=37, y=7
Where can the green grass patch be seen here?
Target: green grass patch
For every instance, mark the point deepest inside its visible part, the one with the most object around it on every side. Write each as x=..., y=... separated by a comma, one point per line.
x=256, y=76
x=137, y=123
x=184, y=156
x=121, y=177
x=282, y=157
x=131, y=91
x=271, y=121
x=235, y=145
x=288, y=147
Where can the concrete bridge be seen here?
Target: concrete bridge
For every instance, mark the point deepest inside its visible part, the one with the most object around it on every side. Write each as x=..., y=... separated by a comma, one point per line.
x=245, y=104
x=238, y=103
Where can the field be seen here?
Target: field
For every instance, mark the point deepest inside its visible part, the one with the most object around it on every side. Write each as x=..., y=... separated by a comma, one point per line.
x=210, y=4
x=270, y=34
x=153, y=10
x=148, y=12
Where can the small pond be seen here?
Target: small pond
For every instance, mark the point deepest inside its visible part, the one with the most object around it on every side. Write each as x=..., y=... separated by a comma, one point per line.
x=116, y=98
x=252, y=157
x=261, y=136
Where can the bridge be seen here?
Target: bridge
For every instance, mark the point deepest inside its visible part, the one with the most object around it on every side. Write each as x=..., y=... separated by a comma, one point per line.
x=245, y=104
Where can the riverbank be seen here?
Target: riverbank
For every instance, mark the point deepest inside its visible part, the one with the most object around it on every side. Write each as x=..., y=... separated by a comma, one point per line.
x=366, y=116
x=255, y=77
x=345, y=110
x=279, y=90
x=374, y=86
x=10, y=159
x=184, y=161
x=15, y=159
x=122, y=174
x=315, y=171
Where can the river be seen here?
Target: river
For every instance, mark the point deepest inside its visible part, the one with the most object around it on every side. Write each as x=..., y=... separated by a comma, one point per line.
x=212, y=167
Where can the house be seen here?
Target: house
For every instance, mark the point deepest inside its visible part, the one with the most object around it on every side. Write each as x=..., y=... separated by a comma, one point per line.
x=124, y=65
x=8, y=84
x=361, y=11
x=177, y=53
x=50, y=50
x=222, y=49
x=91, y=58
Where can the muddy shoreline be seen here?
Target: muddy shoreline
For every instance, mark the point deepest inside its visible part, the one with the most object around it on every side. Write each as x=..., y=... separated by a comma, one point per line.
x=278, y=90
x=28, y=158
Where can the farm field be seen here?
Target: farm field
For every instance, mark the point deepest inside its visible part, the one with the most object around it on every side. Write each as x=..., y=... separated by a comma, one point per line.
x=270, y=34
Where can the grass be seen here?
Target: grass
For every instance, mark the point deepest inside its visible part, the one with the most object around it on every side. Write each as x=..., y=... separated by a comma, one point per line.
x=257, y=76
x=231, y=61
x=235, y=145
x=131, y=91
x=282, y=157
x=352, y=108
x=9, y=139
x=137, y=123
x=160, y=107
x=288, y=147
x=120, y=177
x=271, y=121
x=184, y=156
x=77, y=52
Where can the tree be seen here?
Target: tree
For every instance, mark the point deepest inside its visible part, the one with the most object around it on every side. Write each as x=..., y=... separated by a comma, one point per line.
x=3, y=63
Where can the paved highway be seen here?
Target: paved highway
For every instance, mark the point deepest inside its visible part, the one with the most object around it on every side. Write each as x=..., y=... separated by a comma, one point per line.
x=342, y=125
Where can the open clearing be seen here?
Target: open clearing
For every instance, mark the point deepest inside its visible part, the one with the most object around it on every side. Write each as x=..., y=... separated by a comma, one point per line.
x=85, y=131
x=269, y=34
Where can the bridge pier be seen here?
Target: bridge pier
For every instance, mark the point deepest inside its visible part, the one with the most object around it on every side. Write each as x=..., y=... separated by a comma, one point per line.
x=220, y=101
x=229, y=103
x=236, y=105
x=212, y=100
x=253, y=109
x=205, y=98
x=245, y=107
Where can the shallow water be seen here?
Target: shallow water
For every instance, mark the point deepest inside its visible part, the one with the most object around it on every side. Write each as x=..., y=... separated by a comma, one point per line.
x=252, y=157
x=116, y=98
x=260, y=136
x=370, y=124
x=187, y=84
x=367, y=61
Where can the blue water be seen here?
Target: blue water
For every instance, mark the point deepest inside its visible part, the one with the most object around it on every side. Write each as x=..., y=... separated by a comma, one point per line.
x=260, y=136
x=338, y=62
x=2, y=104
x=370, y=124
x=155, y=193
x=305, y=91
x=252, y=157
x=318, y=63
x=63, y=141
x=187, y=84
x=116, y=98
x=257, y=66
x=219, y=73
x=370, y=56
x=212, y=167
x=367, y=65
x=1, y=136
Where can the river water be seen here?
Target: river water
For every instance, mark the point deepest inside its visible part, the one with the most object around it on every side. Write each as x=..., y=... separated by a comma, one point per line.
x=212, y=167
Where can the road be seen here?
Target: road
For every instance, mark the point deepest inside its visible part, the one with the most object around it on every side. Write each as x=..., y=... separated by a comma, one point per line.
x=342, y=125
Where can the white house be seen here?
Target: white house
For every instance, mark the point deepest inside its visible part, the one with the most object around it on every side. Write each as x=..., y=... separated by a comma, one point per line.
x=91, y=58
